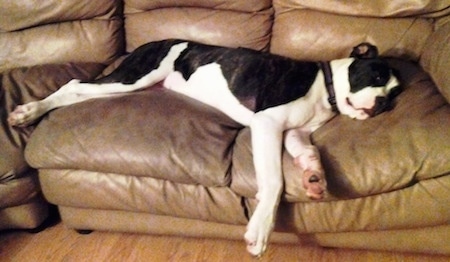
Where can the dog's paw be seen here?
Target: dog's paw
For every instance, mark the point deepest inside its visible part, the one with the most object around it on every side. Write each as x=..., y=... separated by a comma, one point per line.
x=24, y=115
x=313, y=176
x=315, y=184
x=258, y=232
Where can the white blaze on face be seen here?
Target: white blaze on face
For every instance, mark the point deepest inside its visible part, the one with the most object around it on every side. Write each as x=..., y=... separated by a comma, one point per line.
x=392, y=83
x=365, y=98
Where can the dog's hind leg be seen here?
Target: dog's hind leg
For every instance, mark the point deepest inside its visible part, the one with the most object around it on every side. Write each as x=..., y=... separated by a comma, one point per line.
x=306, y=156
x=75, y=91
x=71, y=93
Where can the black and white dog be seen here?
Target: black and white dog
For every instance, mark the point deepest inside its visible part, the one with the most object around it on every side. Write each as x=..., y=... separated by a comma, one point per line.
x=282, y=100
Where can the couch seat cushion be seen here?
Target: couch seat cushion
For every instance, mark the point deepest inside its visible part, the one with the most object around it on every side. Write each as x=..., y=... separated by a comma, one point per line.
x=155, y=133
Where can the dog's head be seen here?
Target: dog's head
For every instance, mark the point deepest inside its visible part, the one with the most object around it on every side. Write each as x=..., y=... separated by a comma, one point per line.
x=373, y=84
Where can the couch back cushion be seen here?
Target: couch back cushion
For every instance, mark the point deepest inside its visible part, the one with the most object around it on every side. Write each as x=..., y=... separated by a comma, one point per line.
x=373, y=8
x=56, y=31
x=325, y=30
x=22, y=85
x=227, y=23
x=436, y=58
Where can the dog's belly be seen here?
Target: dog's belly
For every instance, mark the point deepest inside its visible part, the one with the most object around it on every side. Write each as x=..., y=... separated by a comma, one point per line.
x=208, y=85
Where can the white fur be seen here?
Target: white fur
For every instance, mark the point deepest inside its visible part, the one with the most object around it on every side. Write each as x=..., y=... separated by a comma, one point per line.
x=208, y=85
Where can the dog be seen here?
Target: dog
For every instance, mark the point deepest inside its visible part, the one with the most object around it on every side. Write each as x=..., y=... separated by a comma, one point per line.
x=282, y=101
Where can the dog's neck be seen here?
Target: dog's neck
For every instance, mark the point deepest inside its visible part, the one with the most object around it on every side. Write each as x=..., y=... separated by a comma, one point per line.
x=328, y=77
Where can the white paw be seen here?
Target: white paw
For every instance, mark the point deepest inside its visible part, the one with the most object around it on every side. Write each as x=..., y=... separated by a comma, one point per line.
x=313, y=177
x=25, y=115
x=258, y=232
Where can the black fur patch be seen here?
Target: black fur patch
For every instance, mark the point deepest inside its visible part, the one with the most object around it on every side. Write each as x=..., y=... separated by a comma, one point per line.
x=368, y=73
x=140, y=62
x=261, y=80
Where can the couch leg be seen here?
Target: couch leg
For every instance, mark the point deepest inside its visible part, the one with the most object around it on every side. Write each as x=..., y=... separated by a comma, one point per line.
x=37, y=229
x=52, y=219
x=84, y=231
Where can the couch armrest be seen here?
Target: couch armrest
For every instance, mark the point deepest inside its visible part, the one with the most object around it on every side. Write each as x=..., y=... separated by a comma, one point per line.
x=436, y=59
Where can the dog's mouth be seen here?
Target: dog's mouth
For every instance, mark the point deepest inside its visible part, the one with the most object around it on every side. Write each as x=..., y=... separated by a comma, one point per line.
x=382, y=104
x=368, y=111
x=349, y=102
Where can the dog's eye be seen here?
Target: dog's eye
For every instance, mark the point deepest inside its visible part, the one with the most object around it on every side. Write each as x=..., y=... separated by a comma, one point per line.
x=378, y=80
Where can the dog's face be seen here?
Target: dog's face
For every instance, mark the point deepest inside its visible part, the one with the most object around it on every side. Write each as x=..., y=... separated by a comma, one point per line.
x=372, y=83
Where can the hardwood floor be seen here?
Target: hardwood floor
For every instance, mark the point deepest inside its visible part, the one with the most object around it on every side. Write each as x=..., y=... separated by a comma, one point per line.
x=57, y=243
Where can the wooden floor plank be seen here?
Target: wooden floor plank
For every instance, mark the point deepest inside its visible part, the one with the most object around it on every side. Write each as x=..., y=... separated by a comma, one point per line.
x=58, y=243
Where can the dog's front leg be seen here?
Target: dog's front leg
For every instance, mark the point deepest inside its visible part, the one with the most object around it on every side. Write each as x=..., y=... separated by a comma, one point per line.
x=306, y=156
x=267, y=136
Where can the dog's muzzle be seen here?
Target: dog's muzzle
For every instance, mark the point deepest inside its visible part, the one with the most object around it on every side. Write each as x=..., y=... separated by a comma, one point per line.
x=382, y=104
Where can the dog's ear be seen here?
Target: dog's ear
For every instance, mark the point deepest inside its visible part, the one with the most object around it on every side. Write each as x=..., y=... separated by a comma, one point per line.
x=364, y=51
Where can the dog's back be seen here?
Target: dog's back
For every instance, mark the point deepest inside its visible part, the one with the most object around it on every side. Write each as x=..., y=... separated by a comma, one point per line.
x=259, y=80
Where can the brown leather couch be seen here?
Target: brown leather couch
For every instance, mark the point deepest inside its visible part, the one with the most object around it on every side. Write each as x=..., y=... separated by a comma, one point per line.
x=50, y=35
x=157, y=162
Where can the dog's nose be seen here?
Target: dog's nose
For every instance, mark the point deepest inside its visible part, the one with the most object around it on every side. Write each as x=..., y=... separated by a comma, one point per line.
x=369, y=111
x=381, y=104
x=314, y=179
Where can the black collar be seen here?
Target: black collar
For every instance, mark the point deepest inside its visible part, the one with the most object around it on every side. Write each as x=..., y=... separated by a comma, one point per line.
x=328, y=76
